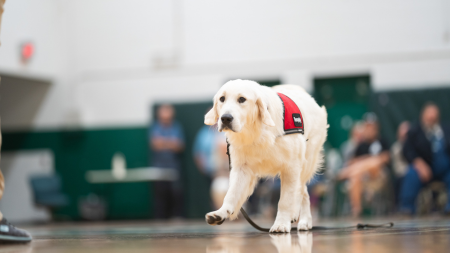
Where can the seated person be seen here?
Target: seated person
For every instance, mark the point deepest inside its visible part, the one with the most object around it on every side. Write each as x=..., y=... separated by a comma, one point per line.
x=365, y=172
x=427, y=151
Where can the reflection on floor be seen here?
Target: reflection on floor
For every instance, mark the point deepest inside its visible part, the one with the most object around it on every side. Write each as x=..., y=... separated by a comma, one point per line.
x=419, y=235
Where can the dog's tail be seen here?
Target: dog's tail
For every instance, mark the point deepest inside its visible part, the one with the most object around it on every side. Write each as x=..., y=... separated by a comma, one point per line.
x=320, y=164
x=318, y=161
x=324, y=109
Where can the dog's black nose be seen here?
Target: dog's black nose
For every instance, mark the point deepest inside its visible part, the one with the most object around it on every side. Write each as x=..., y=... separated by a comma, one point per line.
x=226, y=119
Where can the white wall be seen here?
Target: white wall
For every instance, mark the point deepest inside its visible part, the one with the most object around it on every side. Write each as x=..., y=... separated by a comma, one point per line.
x=127, y=102
x=413, y=74
x=43, y=23
x=238, y=31
x=110, y=59
x=39, y=22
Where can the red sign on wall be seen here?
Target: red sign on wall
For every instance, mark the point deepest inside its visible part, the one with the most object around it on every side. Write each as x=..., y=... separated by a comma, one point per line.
x=26, y=52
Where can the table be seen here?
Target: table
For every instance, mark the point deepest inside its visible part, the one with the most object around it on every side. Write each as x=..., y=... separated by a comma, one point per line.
x=144, y=174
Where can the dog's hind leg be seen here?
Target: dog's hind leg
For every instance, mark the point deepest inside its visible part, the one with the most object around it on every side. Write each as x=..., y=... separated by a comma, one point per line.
x=297, y=202
x=242, y=183
x=305, y=221
x=298, y=197
x=314, y=155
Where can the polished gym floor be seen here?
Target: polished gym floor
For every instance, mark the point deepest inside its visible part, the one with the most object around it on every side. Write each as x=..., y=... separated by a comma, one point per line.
x=408, y=235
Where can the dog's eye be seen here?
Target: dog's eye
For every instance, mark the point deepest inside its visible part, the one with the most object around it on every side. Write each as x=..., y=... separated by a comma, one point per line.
x=222, y=98
x=242, y=100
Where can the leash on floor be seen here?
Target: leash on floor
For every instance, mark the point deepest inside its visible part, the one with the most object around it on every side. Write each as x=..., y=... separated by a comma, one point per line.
x=315, y=228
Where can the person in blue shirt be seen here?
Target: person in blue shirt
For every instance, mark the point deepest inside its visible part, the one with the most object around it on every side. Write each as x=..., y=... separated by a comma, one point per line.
x=167, y=142
x=205, y=146
x=209, y=153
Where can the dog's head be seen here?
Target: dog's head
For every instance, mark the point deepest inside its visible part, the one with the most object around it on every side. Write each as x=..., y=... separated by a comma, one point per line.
x=237, y=104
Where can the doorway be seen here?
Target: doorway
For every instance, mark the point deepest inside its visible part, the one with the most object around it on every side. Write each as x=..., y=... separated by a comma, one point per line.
x=346, y=100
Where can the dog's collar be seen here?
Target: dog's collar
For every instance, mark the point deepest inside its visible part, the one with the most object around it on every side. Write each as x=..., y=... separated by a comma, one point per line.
x=292, y=117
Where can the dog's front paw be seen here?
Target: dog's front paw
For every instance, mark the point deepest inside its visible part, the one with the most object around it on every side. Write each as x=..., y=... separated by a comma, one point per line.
x=304, y=224
x=217, y=217
x=281, y=227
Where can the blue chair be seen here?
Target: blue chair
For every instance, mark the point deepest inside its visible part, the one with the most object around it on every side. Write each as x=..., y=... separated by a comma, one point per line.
x=47, y=191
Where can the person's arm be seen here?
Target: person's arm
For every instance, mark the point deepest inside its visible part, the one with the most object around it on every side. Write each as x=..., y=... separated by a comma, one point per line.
x=358, y=155
x=357, y=159
x=411, y=156
x=409, y=149
x=176, y=143
x=384, y=157
x=363, y=163
x=156, y=141
x=159, y=143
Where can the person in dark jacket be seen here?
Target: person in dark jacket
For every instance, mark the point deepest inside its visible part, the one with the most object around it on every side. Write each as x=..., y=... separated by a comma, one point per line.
x=427, y=151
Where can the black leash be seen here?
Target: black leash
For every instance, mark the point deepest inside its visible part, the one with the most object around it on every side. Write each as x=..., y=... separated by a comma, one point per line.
x=315, y=228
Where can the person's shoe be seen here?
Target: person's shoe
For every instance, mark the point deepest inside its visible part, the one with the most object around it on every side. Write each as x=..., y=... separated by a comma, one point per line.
x=9, y=233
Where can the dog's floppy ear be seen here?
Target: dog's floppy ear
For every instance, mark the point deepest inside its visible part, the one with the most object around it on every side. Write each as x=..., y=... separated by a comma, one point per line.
x=264, y=112
x=211, y=117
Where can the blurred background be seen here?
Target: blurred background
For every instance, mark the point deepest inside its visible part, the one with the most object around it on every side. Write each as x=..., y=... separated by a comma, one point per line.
x=82, y=82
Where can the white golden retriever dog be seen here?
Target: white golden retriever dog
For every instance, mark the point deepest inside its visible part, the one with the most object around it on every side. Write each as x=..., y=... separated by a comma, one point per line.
x=251, y=116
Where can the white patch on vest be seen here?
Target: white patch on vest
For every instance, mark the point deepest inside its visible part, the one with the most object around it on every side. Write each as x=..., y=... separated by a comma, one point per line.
x=298, y=120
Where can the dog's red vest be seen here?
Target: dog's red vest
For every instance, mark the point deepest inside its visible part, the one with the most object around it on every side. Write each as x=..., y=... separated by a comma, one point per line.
x=293, y=120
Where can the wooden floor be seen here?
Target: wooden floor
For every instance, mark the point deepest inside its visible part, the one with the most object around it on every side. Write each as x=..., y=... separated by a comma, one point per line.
x=417, y=235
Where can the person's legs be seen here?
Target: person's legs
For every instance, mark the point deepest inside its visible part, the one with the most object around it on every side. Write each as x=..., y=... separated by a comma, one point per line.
x=177, y=203
x=446, y=179
x=409, y=190
x=397, y=187
x=162, y=199
x=355, y=194
x=441, y=169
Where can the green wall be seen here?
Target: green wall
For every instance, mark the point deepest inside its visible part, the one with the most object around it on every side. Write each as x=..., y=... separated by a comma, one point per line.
x=393, y=107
